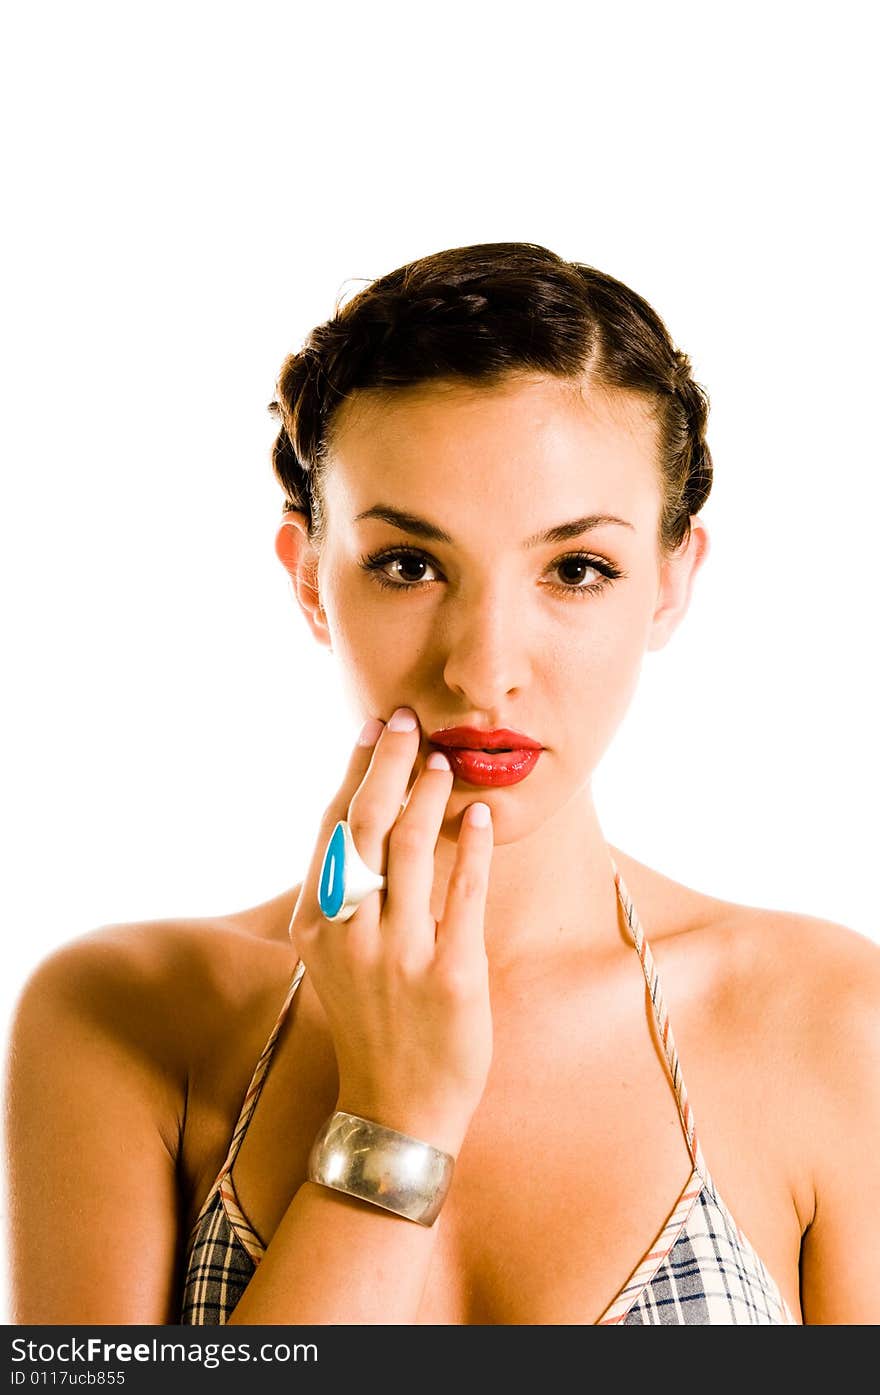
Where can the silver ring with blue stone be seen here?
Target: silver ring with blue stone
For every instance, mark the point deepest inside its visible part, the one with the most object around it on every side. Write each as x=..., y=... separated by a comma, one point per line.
x=345, y=878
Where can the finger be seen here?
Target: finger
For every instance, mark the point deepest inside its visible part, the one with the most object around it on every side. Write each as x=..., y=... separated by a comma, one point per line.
x=377, y=801
x=412, y=843
x=460, y=933
x=358, y=764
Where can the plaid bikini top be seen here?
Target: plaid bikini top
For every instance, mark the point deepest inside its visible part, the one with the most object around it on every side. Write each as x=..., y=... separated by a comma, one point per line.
x=699, y=1269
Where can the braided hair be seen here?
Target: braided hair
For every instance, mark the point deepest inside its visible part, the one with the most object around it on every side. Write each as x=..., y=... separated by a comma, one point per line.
x=477, y=314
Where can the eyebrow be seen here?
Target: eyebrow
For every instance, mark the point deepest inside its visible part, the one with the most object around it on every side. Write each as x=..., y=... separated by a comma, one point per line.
x=423, y=528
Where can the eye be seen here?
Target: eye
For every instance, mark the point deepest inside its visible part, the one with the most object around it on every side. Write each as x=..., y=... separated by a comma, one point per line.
x=411, y=560
x=411, y=563
x=580, y=562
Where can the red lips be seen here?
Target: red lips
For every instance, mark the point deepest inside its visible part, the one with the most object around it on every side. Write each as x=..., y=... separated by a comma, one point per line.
x=475, y=739
x=466, y=749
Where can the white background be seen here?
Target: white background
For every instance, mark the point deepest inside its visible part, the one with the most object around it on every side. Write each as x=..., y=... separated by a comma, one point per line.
x=188, y=188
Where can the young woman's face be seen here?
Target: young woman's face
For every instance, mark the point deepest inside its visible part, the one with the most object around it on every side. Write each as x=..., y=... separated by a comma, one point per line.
x=493, y=624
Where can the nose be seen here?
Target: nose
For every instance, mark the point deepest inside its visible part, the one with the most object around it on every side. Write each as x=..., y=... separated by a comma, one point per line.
x=485, y=648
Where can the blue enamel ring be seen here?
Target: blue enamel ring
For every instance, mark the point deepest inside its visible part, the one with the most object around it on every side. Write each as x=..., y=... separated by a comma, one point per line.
x=345, y=878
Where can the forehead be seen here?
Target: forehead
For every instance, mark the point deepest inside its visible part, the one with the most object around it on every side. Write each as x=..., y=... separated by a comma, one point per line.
x=528, y=445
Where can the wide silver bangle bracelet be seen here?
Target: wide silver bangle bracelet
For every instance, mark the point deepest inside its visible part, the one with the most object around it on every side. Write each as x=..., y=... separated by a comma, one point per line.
x=380, y=1165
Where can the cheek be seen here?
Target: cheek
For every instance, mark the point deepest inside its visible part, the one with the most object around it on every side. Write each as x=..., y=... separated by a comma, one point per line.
x=378, y=653
x=592, y=679
x=605, y=637
x=366, y=646
x=599, y=670
x=385, y=635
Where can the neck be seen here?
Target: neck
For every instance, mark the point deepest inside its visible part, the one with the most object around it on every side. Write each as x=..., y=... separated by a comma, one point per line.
x=550, y=893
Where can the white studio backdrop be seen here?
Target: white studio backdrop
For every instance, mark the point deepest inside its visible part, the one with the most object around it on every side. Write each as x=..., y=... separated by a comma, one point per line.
x=188, y=190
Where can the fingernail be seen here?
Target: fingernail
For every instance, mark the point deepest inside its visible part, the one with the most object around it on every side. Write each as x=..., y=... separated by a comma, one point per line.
x=370, y=732
x=478, y=815
x=403, y=719
x=437, y=761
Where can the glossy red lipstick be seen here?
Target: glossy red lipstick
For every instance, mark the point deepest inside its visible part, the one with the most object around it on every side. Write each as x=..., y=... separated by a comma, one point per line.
x=488, y=758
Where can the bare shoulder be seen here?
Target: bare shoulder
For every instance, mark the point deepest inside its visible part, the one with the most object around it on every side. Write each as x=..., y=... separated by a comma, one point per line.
x=820, y=973
x=156, y=989
x=794, y=1003
x=811, y=999
x=106, y=1035
x=791, y=999
x=817, y=978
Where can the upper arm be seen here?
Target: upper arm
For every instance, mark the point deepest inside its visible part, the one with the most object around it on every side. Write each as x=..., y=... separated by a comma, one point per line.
x=840, y=1246
x=90, y=1145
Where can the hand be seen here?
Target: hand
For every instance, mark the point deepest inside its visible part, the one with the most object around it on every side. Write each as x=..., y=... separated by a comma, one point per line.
x=406, y=996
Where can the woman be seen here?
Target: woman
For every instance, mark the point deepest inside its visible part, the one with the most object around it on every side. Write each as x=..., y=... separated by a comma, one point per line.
x=470, y=1108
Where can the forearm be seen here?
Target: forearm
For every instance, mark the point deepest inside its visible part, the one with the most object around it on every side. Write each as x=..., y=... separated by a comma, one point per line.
x=335, y=1259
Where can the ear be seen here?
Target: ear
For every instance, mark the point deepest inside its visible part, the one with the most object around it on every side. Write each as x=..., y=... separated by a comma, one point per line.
x=677, y=575
x=300, y=560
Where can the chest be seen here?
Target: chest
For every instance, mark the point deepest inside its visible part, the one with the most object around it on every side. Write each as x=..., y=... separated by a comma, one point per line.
x=571, y=1166
x=544, y=1224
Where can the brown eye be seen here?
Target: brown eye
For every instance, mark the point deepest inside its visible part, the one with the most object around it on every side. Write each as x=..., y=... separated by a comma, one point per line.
x=581, y=564
x=406, y=560
x=573, y=569
x=408, y=565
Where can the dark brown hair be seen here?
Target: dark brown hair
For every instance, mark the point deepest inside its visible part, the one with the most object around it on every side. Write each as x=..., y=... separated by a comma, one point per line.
x=478, y=314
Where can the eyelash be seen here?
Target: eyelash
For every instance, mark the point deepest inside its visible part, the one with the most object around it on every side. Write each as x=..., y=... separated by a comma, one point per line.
x=374, y=562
